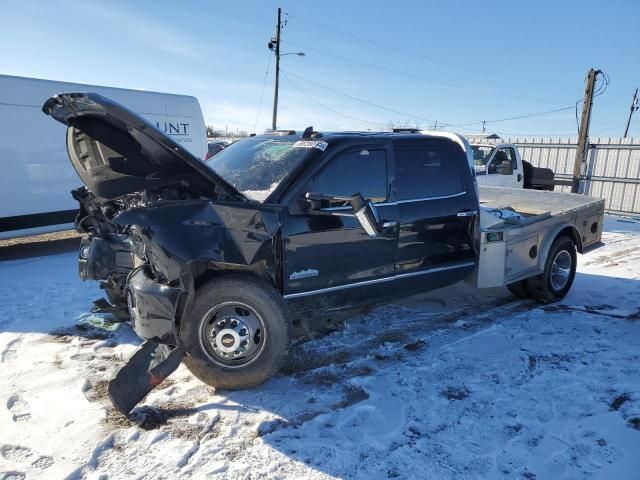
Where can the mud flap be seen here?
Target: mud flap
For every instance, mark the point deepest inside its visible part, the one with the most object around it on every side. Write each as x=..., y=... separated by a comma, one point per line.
x=145, y=370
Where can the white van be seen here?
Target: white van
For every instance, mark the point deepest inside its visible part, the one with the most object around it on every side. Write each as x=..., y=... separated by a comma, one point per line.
x=35, y=174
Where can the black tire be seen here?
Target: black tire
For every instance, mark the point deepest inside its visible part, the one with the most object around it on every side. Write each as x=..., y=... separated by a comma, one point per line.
x=545, y=288
x=263, y=303
x=519, y=289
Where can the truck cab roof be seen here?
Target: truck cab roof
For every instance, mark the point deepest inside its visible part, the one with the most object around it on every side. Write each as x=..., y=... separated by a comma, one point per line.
x=262, y=167
x=357, y=135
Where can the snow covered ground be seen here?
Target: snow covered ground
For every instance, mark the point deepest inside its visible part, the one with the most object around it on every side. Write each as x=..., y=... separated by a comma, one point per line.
x=458, y=383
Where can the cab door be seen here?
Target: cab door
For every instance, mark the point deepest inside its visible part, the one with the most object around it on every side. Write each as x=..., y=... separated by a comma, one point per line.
x=329, y=261
x=497, y=176
x=437, y=215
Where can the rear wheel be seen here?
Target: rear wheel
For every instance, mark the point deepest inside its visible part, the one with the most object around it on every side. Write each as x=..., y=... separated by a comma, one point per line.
x=235, y=332
x=559, y=271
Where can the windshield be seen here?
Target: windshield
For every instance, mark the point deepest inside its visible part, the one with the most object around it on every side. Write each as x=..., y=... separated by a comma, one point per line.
x=256, y=166
x=481, y=154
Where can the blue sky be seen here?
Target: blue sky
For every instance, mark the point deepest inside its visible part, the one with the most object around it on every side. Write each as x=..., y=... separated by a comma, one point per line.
x=455, y=62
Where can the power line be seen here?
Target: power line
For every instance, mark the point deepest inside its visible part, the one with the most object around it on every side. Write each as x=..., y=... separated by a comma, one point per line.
x=326, y=106
x=599, y=90
x=367, y=102
x=512, y=134
x=518, y=117
x=419, y=54
x=603, y=87
x=409, y=74
x=264, y=83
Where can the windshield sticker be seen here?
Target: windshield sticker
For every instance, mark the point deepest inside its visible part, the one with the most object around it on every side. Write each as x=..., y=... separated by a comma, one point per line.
x=311, y=144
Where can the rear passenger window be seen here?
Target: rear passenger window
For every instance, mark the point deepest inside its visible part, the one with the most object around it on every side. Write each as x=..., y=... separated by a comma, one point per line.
x=362, y=170
x=426, y=171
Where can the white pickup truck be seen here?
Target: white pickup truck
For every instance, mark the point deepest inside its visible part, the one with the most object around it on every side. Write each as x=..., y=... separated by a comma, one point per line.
x=500, y=165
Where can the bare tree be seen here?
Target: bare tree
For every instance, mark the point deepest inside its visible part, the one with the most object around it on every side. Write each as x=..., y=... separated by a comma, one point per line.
x=213, y=133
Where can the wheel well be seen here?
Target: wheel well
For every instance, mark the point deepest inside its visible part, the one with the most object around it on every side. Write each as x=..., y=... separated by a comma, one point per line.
x=211, y=273
x=573, y=233
x=203, y=273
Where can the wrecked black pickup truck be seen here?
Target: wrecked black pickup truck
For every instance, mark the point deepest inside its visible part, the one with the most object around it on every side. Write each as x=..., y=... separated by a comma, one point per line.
x=219, y=265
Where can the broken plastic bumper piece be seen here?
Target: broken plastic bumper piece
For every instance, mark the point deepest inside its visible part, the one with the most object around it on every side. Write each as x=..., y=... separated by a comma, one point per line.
x=145, y=370
x=152, y=307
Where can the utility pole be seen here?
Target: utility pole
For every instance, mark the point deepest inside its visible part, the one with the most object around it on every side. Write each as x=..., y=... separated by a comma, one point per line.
x=276, y=41
x=633, y=108
x=583, y=133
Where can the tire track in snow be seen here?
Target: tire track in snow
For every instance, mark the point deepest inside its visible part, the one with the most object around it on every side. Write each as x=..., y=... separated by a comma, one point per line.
x=394, y=325
x=340, y=367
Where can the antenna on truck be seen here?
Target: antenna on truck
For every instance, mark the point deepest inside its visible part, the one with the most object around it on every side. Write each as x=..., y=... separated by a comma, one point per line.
x=307, y=132
x=406, y=130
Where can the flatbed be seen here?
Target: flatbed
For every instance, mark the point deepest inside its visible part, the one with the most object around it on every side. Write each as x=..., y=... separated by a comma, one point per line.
x=516, y=246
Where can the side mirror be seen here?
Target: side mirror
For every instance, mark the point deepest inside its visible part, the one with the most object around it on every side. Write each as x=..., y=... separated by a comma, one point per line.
x=506, y=168
x=361, y=209
x=368, y=218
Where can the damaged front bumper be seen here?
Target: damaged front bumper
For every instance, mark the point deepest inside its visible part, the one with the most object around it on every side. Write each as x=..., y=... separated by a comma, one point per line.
x=110, y=258
x=101, y=257
x=152, y=309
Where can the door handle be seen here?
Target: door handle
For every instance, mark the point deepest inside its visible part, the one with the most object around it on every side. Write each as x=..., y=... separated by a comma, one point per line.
x=468, y=213
x=389, y=224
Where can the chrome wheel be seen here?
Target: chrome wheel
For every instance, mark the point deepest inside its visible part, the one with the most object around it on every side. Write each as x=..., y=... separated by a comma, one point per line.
x=232, y=334
x=560, y=270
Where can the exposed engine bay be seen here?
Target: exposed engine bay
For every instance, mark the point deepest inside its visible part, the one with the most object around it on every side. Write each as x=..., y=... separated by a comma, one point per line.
x=110, y=251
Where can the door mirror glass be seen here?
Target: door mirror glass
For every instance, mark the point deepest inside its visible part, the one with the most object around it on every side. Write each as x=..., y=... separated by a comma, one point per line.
x=368, y=218
x=506, y=168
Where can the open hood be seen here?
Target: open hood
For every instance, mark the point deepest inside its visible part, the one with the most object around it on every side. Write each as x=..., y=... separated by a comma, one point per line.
x=116, y=152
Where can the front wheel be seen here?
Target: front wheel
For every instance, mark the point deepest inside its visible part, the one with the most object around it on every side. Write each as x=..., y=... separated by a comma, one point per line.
x=236, y=333
x=559, y=271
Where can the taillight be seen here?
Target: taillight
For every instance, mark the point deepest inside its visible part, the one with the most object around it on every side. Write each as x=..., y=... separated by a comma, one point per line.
x=208, y=156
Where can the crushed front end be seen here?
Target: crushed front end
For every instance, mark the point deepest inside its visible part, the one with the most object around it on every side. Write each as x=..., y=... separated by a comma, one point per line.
x=156, y=218
x=182, y=241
